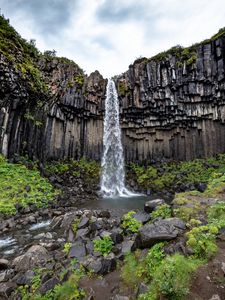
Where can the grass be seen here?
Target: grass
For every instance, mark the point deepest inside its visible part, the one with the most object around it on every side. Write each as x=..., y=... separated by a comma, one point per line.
x=20, y=185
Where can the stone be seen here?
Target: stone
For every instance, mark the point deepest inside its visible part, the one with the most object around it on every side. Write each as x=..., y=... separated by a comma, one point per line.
x=142, y=217
x=34, y=257
x=128, y=246
x=6, y=288
x=161, y=230
x=153, y=204
x=48, y=285
x=6, y=275
x=215, y=297
x=4, y=264
x=116, y=235
x=82, y=233
x=84, y=222
x=78, y=251
x=119, y=297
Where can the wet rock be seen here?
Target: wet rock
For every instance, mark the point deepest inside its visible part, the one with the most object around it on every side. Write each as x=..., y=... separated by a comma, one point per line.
x=161, y=230
x=142, y=289
x=56, y=222
x=201, y=187
x=142, y=217
x=152, y=205
x=6, y=275
x=4, y=264
x=215, y=297
x=48, y=285
x=104, y=214
x=78, y=251
x=128, y=246
x=6, y=288
x=116, y=235
x=24, y=278
x=82, y=233
x=84, y=222
x=34, y=257
x=67, y=220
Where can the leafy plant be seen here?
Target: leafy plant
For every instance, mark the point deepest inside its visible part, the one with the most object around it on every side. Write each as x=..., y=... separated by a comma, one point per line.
x=151, y=262
x=171, y=279
x=129, y=223
x=202, y=241
x=18, y=184
x=104, y=245
x=164, y=211
x=66, y=248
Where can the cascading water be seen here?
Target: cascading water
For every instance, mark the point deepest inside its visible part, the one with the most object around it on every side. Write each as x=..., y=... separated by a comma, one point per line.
x=113, y=176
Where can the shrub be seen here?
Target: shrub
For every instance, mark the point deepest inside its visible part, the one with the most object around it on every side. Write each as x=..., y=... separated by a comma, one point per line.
x=171, y=278
x=164, y=211
x=129, y=223
x=216, y=215
x=202, y=241
x=104, y=245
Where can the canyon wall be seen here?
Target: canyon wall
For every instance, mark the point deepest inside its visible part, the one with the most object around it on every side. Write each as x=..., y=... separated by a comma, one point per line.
x=172, y=106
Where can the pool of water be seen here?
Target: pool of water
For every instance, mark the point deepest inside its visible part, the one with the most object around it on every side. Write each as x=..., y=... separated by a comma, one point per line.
x=119, y=205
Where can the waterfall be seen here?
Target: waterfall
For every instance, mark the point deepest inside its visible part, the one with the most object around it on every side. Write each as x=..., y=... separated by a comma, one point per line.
x=113, y=176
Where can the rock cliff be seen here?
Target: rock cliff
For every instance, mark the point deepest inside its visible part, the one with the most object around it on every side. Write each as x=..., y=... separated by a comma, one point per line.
x=172, y=105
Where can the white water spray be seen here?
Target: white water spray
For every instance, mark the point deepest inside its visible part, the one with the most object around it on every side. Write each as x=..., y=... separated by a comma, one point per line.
x=113, y=176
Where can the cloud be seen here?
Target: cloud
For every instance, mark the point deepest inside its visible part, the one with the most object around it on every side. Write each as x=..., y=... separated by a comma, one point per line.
x=108, y=35
x=48, y=16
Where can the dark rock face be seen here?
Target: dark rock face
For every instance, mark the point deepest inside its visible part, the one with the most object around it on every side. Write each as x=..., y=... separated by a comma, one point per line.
x=169, y=108
x=162, y=230
x=172, y=109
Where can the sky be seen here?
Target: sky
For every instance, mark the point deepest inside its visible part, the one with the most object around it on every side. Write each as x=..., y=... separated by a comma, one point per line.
x=108, y=35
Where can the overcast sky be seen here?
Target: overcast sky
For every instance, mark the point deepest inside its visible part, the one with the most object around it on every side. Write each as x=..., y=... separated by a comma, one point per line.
x=108, y=35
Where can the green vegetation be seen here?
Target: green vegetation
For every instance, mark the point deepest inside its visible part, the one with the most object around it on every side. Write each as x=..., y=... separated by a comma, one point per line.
x=104, y=245
x=129, y=223
x=66, y=248
x=172, y=175
x=122, y=88
x=171, y=279
x=163, y=211
x=86, y=169
x=20, y=185
x=188, y=54
x=68, y=290
x=79, y=80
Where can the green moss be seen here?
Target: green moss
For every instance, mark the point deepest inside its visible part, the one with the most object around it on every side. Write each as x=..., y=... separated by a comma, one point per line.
x=79, y=80
x=21, y=185
x=122, y=88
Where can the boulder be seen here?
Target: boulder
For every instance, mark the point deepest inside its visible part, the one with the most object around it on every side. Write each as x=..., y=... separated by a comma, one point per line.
x=78, y=251
x=48, y=285
x=84, y=222
x=6, y=288
x=4, y=264
x=34, y=257
x=153, y=204
x=161, y=230
x=142, y=217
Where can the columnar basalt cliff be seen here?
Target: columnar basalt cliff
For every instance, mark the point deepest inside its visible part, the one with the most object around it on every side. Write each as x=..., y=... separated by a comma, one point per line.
x=172, y=105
